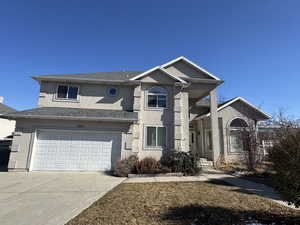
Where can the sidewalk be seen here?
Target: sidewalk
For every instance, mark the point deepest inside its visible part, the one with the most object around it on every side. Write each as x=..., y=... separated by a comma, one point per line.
x=208, y=175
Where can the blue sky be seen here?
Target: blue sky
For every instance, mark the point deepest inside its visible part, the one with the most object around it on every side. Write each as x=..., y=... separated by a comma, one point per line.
x=254, y=45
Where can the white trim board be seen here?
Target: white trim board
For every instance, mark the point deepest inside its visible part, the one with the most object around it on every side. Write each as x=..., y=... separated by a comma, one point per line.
x=192, y=64
x=234, y=100
x=160, y=69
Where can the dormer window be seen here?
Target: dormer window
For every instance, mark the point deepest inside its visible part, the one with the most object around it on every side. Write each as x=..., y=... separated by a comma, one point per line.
x=157, y=97
x=67, y=92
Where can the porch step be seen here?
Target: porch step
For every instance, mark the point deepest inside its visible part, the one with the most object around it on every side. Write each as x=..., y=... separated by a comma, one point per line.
x=204, y=163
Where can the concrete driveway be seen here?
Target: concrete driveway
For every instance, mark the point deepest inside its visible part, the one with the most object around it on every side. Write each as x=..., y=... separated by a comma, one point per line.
x=49, y=198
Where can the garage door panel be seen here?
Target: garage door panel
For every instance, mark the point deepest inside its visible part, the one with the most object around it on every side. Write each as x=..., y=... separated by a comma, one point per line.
x=76, y=151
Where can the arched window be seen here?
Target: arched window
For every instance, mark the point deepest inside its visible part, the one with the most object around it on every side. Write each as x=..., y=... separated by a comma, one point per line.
x=157, y=97
x=235, y=135
x=238, y=123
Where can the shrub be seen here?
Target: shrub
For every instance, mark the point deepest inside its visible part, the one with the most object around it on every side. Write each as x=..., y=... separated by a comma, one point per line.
x=285, y=157
x=125, y=166
x=184, y=162
x=148, y=165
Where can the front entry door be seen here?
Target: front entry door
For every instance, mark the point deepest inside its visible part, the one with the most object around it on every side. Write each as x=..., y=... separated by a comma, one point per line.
x=193, y=141
x=208, y=144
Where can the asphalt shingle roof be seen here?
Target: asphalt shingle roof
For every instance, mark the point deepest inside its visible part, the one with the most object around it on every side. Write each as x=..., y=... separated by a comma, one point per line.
x=101, y=76
x=74, y=113
x=4, y=109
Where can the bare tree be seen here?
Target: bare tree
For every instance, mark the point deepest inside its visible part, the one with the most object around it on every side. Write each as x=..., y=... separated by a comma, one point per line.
x=251, y=150
x=279, y=126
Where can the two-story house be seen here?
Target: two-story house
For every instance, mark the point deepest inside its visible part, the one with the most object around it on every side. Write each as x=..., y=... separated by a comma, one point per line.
x=86, y=122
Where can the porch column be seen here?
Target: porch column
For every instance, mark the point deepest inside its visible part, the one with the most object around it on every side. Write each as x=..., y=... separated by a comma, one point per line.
x=214, y=126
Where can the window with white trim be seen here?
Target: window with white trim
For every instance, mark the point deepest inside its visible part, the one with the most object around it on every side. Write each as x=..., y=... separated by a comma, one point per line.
x=155, y=136
x=236, y=142
x=67, y=92
x=157, y=97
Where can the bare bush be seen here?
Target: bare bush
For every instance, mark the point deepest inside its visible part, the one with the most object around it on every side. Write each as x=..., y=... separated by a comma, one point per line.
x=285, y=158
x=125, y=166
x=148, y=165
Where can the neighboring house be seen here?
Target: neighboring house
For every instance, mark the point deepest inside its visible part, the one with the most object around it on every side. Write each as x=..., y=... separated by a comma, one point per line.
x=89, y=121
x=7, y=127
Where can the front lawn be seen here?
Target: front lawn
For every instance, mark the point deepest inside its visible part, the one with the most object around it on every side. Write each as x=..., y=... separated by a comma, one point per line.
x=183, y=203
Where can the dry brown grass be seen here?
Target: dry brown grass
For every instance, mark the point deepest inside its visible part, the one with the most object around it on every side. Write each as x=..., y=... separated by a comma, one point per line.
x=182, y=203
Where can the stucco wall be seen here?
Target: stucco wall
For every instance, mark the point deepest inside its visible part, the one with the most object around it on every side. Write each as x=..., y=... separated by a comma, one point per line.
x=155, y=117
x=25, y=132
x=6, y=127
x=158, y=77
x=183, y=70
x=90, y=96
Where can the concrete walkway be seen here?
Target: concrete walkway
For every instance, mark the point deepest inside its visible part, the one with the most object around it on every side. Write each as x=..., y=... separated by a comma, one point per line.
x=42, y=198
x=209, y=175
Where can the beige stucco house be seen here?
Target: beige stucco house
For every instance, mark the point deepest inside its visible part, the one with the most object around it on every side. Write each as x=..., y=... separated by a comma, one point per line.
x=7, y=127
x=86, y=122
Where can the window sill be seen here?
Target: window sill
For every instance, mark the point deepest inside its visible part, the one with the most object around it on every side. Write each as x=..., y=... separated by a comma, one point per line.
x=154, y=149
x=65, y=100
x=155, y=109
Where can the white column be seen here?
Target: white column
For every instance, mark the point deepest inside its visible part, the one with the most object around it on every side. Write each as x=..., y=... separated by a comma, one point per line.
x=214, y=126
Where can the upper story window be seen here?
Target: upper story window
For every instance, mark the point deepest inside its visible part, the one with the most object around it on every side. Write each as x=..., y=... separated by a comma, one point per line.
x=157, y=97
x=69, y=92
x=112, y=92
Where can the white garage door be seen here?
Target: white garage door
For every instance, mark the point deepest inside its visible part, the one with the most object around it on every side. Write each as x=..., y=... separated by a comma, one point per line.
x=80, y=151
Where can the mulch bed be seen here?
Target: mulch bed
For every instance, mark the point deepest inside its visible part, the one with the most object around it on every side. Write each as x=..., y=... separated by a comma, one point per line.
x=184, y=203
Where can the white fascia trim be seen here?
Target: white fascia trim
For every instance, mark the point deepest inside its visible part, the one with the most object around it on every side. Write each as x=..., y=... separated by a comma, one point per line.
x=234, y=100
x=161, y=69
x=191, y=63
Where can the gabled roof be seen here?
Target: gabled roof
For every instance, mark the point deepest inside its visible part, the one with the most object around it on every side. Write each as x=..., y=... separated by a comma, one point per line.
x=6, y=109
x=231, y=101
x=121, y=76
x=192, y=64
x=61, y=113
x=160, y=69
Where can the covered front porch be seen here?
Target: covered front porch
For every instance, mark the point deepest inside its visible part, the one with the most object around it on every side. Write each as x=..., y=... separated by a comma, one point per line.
x=204, y=139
